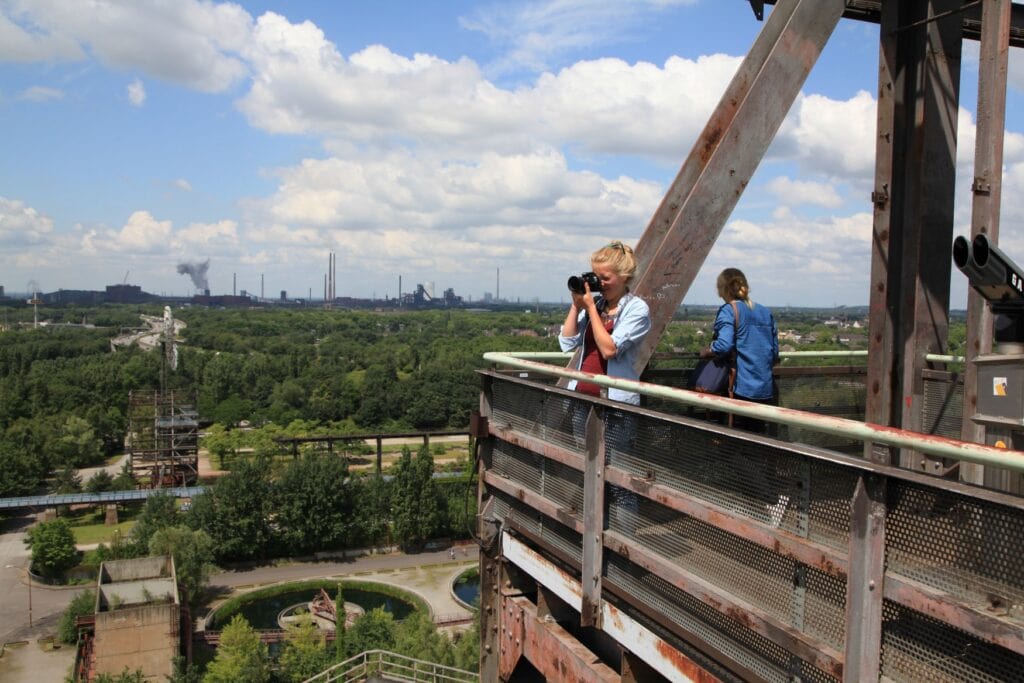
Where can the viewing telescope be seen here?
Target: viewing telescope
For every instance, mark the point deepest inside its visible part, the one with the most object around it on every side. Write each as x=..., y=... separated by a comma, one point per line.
x=991, y=273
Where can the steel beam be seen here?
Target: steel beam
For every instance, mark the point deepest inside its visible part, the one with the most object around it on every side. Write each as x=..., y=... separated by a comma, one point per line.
x=593, y=518
x=864, y=586
x=726, y=154
x=987, y=189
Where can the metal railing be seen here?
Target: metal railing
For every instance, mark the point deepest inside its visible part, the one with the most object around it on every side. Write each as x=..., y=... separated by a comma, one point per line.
x=762, y=559
x=390, y=666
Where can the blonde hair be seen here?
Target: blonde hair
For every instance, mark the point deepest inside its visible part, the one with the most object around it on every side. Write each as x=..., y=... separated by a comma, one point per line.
x=617, y=255
x=732, y=286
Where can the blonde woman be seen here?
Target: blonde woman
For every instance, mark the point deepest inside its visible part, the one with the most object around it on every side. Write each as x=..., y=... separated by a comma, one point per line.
x=755, y=339
x=609, y=327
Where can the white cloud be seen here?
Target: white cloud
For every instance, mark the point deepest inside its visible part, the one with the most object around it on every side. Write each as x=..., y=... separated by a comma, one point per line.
x=531, y=33
x=795, y=192
x=182, y=184
x=190, y=42
x=39, y=93
x=834, y=138
x=26, y=43
x=136, y=93
x=22, y=225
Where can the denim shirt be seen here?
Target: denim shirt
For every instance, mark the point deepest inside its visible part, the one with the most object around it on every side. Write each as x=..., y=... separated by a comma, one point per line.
x=632, y=323
x=756, y=340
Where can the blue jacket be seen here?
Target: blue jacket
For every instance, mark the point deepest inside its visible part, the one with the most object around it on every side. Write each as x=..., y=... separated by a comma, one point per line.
x=632, y=323
x=756, y=341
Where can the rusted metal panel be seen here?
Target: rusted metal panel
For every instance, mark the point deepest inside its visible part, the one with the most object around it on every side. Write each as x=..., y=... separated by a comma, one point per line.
x=593, y=518
x=534, y=500
x=820, y=654
x=511, y=636
x=988, y=164
x=552, y=650
x=986, y=623
x=864, y=588
x=661, y=655
x=535, y=445
x=726, y=155
x=807, y=552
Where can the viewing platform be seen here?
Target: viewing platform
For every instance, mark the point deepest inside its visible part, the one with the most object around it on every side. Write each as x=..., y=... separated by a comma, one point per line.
x=621, y=539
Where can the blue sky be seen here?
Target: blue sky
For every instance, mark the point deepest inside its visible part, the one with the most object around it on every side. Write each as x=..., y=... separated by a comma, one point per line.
x=436, y=141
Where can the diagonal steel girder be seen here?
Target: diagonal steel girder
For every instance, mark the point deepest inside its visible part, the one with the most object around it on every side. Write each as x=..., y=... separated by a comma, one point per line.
x=723, y=159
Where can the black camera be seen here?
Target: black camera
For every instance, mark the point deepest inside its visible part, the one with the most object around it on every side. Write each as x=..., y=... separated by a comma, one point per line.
x=576, y=283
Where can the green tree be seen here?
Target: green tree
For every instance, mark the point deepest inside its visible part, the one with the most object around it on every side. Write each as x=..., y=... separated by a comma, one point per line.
x=417, y=637
x=81, y=605
x=340, y=625
x=235, y=512
x=99, y=482
x=304, y=654
x=371, y=631
x=417, y=508
x=240, y=656
x=53, y=547
x=67, y=481
x=467, y=647
x=158, y=512
x=315, y=508
x=19, y=474
x=78, y=445
x=193, y=556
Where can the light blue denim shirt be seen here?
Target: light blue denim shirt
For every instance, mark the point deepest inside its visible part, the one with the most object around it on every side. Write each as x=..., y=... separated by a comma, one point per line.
x=632, y=323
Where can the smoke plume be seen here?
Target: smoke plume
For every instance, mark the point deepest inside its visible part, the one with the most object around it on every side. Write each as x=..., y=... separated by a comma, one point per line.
x=196, y=271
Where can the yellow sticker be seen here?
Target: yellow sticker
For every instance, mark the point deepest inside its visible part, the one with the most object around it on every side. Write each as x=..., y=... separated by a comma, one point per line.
x=1000, y=444
x=999, y=386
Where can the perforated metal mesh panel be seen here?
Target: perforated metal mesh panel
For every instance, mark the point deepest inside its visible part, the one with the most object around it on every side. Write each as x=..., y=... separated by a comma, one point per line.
x=791, y=592
x=916, y=647
x=825, y=391
x=751, y=650
x=554, y=418
x=546, y=529
x=970, y=548
x=943, y=409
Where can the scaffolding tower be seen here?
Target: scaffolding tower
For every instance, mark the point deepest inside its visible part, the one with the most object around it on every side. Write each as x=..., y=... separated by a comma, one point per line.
x=163, y=438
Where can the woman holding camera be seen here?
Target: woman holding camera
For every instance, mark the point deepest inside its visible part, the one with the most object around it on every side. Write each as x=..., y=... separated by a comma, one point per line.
x=610, y=327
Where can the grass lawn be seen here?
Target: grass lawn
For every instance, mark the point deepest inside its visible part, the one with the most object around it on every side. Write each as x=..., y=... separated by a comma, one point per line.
x=88, y=525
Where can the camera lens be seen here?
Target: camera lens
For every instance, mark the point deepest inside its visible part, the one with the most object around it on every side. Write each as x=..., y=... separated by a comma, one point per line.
x=575, y=284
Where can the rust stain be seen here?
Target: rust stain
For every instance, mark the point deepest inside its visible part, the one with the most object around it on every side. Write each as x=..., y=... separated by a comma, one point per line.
x=711, y=139
x=741, y=616
x=684, y=664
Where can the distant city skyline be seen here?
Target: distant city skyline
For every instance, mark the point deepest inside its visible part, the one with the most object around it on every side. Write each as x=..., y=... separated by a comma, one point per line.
x=437, y=141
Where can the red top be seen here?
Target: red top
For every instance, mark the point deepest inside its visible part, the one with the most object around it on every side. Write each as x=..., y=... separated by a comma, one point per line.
x=593, y=361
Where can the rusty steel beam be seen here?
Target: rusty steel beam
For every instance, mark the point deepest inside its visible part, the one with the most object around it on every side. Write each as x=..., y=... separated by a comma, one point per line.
x=987, y=623
x=987, y=189
x=806, y=647
x=660, y=654
x=552, y=650
x=864, y=587
x=534, y=444
x=973, y=21
x=726, y=155
x=593, y=518
x=563, y=515
x=821, y=557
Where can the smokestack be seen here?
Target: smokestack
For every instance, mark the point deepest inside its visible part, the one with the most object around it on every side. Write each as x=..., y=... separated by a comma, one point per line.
x=399, y=290
x=234, y=284
x=497, y=287
x=261, y=286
